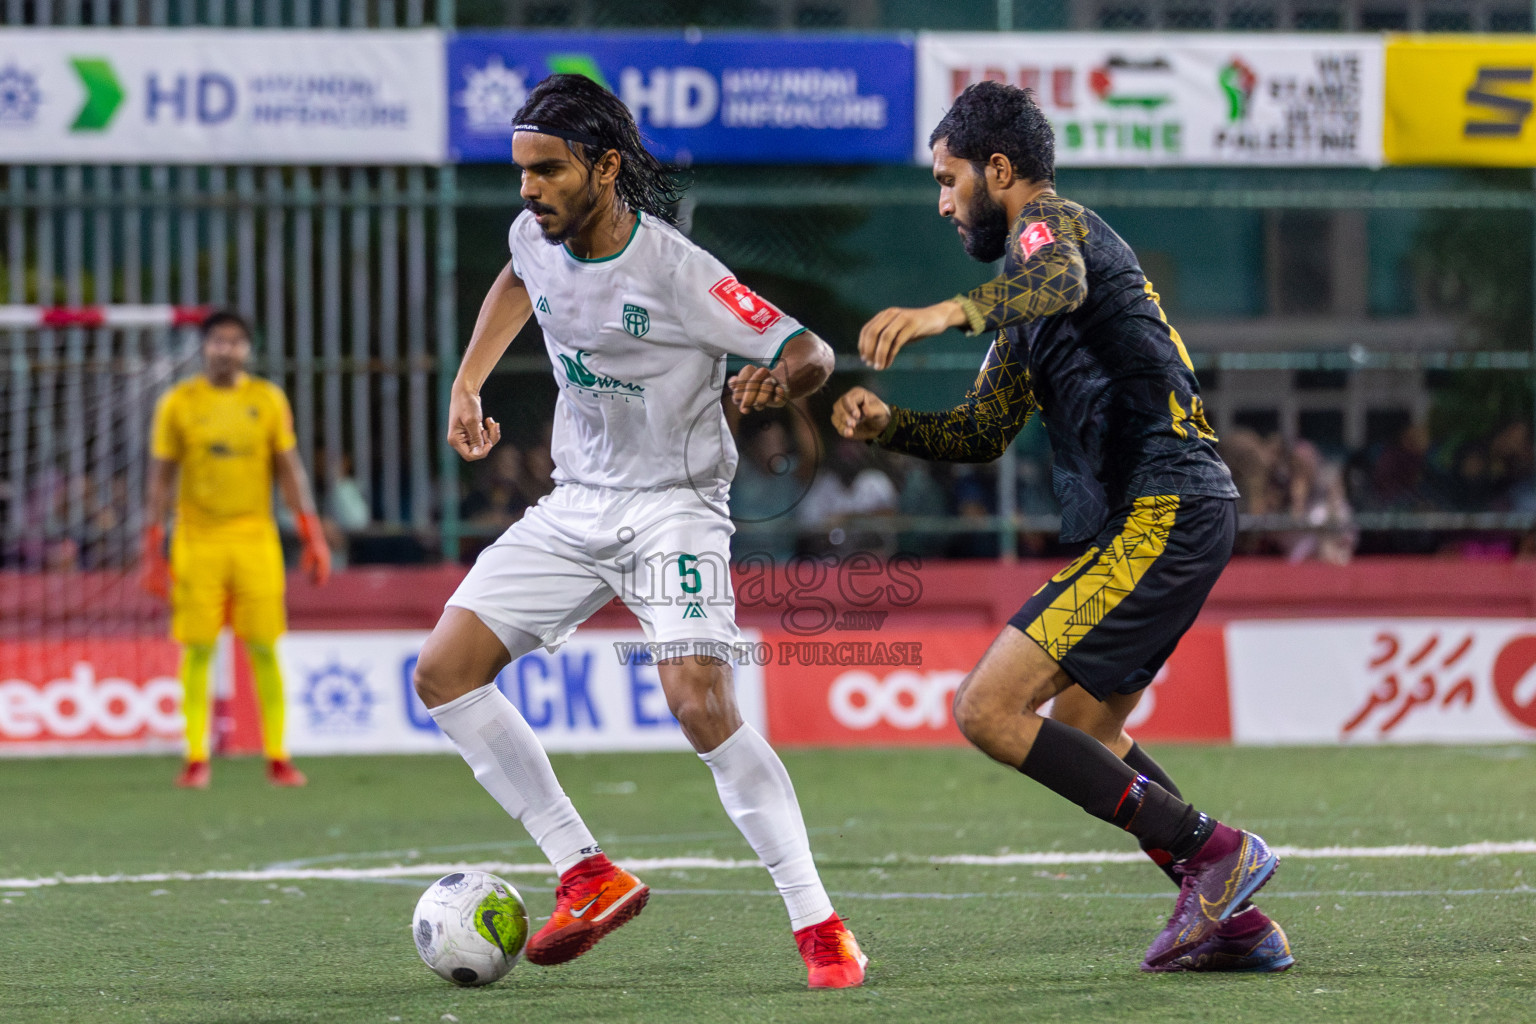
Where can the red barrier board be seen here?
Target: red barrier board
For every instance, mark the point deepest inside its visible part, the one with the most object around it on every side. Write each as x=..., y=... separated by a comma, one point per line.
x=89, y=694
x=897, y=691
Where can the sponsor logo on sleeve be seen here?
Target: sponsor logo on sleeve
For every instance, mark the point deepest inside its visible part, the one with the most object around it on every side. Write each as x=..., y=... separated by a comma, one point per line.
x=747, y=306
x=1035, y=237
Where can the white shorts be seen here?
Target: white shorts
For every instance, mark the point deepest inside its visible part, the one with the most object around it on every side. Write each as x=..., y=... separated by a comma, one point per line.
x=665, y=554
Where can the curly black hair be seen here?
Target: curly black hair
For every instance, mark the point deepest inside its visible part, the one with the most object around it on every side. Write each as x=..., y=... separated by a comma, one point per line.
x=575, y=103
x=990, y=117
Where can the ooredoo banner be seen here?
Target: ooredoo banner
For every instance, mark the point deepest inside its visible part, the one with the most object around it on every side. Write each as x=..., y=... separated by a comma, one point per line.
x=103, y=695
x=699, y=97
x=1139, y=99
x=896, y=690
x=351, y=693
x=1383, y=681
x=126, y=95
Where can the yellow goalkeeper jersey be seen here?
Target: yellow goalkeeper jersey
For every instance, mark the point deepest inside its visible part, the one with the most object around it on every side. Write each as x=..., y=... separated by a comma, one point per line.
x=224, y=440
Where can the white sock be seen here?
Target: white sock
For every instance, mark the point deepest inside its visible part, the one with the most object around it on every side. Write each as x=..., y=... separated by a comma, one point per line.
x=757, y=794
x=510, y=763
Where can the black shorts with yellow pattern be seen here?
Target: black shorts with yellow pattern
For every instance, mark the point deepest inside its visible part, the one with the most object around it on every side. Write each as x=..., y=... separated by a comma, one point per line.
x=1113, y=616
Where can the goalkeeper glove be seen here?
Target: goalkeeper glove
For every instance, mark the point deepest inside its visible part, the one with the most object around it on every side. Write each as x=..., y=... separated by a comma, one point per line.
x=154, y=570
x=316, y=557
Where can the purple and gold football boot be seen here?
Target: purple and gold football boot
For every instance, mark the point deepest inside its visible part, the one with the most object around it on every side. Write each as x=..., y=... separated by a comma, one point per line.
x=1217, y=880
x=1248, y=942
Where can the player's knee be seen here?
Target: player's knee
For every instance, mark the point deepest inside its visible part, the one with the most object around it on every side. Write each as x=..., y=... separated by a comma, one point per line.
x=974, y=711
x=695, y=706
x=432, y=684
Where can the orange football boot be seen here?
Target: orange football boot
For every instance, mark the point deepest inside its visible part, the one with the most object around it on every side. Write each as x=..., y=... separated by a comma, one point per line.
x=832, y=954
x=283, y=773
x=196, y=775
x=593, y=899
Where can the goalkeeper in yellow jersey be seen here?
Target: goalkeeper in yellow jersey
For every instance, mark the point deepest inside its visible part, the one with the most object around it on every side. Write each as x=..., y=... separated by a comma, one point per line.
x=217, y=441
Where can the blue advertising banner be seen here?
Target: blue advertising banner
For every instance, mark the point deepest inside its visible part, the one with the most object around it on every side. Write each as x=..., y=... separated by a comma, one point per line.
x=700, y=98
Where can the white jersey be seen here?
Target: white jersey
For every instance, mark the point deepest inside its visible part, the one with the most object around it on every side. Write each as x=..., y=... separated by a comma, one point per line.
x=638, y=341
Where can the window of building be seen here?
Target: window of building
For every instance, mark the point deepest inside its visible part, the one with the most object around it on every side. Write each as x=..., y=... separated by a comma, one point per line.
x=820, y=16
x=1319, y=19
x=1302, y=270
x=1123, y=16
x=1252, y=18
x=1322, y=380
x=1382, y=426
x=1441, y=19
x=1384, y=19
x=547, y=15
x=1324, y=428
x=1510, y=19
x=1188, y=17
x=1263, y=422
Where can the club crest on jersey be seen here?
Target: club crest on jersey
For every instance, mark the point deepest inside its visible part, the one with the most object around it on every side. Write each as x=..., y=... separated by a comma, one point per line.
x=542, y=306
x=637, y=319
x=749, y=307
x=1035, y=237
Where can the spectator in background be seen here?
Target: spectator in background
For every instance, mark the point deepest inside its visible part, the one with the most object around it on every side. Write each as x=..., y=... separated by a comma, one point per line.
x=975, y=493
x=848, y=492
x=920, y=496
x=539, y=466
x=501, y=494
x=345, y=502
x=1255, y=464
x=1401, y=477
x=1510, y=459
x=772, y=476
x=1316, y=496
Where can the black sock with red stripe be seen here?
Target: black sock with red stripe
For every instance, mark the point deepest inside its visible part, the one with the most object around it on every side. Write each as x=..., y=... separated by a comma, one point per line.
x=1142, y=761
x=1077, y=766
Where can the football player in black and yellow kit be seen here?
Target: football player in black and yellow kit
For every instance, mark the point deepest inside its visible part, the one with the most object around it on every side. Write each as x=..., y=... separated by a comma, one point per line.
x=1081, y=339
x=218, y=440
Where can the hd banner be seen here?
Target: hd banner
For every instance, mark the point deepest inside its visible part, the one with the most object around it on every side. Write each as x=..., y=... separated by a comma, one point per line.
x=221, y=96
x=1136, y=100
x=1461, y=100
x=699, y=98
x=351, y=693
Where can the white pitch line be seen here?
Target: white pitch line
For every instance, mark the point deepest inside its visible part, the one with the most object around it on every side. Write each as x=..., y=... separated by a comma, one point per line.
x=1043, y=859
x=1485, y=849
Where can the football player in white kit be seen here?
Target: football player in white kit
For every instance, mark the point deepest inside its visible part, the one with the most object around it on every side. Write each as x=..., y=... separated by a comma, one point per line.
x=638, y=322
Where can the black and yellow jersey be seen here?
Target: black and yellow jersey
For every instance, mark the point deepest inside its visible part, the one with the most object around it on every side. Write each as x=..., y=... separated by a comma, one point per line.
x=1081, y=339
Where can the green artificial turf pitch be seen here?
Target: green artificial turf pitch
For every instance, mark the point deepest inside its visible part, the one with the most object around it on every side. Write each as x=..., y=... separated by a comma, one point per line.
x=1400, y=940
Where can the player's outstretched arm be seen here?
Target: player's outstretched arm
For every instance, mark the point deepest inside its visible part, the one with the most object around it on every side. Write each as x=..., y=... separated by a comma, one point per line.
x=860, y=415
x=803, y=367
x=977, y=430
x=505, y=310
x=891, y=330
x=1050, y=275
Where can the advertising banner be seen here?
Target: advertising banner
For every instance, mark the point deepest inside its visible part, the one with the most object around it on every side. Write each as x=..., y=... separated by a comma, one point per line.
x=221, y=96
x=1460, y=100
x=351, y=693
x=1383, y=681
x=100, y=695
x=897, y=690
x=699, y=98
x=1134, y=100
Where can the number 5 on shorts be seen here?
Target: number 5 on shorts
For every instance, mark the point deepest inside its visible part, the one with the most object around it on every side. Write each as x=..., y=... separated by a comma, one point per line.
x=687, y=568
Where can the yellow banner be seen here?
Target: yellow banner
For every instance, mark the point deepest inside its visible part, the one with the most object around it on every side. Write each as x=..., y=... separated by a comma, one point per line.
x=1461, y=100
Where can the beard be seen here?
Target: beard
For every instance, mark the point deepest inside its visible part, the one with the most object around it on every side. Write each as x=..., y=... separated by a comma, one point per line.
x=581, y=211
x=986, y=228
